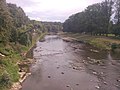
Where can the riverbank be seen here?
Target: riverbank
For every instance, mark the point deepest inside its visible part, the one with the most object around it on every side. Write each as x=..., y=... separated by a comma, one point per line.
x=14, y=65
x=100, y=42
x=98, y=58
x=24, y=65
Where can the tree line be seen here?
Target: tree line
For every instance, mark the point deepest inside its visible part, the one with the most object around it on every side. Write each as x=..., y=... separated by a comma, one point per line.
x=97, y=19
x=53, y=26
x=16, y=27
x=12, y=18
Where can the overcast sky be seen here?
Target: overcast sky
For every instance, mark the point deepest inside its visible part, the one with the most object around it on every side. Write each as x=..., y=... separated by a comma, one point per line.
x=52, y=10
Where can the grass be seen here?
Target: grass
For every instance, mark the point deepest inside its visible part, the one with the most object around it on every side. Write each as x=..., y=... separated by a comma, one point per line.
x=9, y=70
x=100, y=42
x=8, y=65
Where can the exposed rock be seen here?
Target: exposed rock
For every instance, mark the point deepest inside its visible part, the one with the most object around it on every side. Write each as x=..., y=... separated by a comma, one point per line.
x=95, y=73
x=23, y=76
x=49, y=76
x=2, y=55
x=96, y=51
x=77, y=84
x=68, y=86
x=117, y=86
x=118, y=80
x=74, y=68
x=105, y=83
x=58, y=67
x=97, y=87
x=101, y=73
x=16, y=86
x=68, y=39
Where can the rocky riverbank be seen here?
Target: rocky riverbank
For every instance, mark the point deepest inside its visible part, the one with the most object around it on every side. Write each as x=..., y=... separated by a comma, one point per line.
x=25, y=64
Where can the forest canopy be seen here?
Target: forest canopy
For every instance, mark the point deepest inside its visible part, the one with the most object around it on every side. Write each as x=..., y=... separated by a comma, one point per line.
x=97, y=19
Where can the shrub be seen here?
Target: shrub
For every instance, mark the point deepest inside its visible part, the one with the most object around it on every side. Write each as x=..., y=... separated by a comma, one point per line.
x=5, y=80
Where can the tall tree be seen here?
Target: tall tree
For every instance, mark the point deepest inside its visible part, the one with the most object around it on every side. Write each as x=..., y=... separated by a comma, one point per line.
x=117, y=11
x=5, y=22
x=18, y=15
x=95, y=19
x=107, y=13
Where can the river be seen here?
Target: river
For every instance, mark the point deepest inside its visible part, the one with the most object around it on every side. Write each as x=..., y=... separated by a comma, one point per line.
x=64, y=65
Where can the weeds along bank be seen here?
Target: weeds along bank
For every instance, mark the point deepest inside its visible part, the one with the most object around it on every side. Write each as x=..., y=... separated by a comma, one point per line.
x=17, y=35
x=101, y=42
x=11, y=56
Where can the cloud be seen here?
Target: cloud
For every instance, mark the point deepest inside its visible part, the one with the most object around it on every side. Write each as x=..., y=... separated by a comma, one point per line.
x=48, y=16
x=23, y=3
x=52, y=10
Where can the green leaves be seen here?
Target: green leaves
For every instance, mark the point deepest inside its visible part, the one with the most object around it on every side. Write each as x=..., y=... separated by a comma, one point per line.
x=18, y=15
x=95, y=19
x=5, y=22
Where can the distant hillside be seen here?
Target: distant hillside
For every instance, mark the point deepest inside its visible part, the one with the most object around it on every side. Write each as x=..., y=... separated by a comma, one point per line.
x=53, y=26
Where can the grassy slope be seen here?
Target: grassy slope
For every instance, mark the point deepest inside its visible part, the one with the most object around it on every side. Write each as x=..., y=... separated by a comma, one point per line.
x=100, y=42
x=8, y=64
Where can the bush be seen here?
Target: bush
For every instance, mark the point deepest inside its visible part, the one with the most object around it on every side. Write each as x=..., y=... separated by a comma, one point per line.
x=8, y=72
x=5, y=80
x=24, y=39
x=12, y=69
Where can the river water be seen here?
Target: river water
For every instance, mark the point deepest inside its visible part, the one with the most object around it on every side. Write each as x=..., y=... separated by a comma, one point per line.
x=64, y=65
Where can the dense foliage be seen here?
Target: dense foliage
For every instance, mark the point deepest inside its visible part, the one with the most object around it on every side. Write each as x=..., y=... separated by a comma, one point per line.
x=17, y=34
x=15, y=26
x=53, y=26
x=18, y=15
x=11, y=18
x=6, y=23
x=96, y=19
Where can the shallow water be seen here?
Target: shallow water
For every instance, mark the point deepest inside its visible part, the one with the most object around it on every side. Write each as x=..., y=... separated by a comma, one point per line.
x=63, y=65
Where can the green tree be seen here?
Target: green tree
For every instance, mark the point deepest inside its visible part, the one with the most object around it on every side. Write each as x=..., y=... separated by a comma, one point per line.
x=117, y=11
x=18, y=15
x=94, y=20
x=6, y=24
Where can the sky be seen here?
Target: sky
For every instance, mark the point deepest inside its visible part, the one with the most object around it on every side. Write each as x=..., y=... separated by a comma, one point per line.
x=52, y=10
